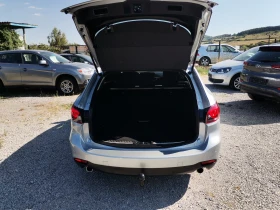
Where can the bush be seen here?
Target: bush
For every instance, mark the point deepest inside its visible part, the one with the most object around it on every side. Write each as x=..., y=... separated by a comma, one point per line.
x=9, y=39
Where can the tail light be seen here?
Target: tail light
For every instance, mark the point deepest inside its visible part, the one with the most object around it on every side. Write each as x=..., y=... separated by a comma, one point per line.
x=213, y=114
x=198, y=54
x=76, y=115
x=276, y=67
x=245, y=63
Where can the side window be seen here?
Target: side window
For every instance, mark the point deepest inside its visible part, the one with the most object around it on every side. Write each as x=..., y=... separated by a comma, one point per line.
x=213, y=48
x=30, y=58
x=10, y=58
x=77, y=59
x=227, y=49
x=67, y=57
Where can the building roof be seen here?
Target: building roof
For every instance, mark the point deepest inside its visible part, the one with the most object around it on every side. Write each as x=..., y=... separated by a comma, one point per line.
x=13, y=25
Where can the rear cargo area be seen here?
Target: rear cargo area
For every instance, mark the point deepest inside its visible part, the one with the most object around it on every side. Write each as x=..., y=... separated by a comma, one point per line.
x=144, y=108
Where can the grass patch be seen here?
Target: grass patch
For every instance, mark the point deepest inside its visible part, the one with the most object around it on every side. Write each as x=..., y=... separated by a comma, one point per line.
x=202, y=70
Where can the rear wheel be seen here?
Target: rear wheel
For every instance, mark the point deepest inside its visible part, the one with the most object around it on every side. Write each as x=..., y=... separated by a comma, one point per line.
x=235, y=82
x=67, y=86
x=255, y=97
x=204, y=61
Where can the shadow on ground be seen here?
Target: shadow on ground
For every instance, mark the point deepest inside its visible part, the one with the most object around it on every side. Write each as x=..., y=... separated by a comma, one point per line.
x=42, y=175
x=29, y=92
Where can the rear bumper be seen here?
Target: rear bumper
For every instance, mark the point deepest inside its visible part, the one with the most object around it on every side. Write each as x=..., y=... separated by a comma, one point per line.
x=260, y=90
x=148, y=171
x=153, y=161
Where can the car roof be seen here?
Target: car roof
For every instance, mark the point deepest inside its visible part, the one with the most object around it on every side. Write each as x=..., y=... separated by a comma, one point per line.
x=20, y=51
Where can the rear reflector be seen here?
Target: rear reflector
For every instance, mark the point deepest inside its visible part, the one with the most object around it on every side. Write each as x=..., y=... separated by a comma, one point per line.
x=76, y=115
x=80, y=161
x=213, y=114
x=208, y=162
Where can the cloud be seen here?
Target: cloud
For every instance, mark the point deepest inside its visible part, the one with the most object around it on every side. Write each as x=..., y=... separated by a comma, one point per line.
x=26, y=3
x=37, y=14
x=33, y=7
x=1, y=5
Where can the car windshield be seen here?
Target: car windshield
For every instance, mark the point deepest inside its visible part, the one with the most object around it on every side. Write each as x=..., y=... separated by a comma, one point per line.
x=86, y=57
x=246, y=55
x=54, y=57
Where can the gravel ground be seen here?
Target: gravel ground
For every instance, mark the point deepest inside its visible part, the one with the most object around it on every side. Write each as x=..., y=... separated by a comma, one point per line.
x=37, y=170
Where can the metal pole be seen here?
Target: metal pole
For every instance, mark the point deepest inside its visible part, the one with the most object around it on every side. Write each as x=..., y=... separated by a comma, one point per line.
x=24, y=40
x=219, y=50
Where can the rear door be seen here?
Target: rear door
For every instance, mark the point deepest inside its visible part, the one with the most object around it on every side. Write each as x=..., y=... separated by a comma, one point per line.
x=34, y=74
x=10, y=65
x=127, y=35
x=228, y=52
x=213, y=52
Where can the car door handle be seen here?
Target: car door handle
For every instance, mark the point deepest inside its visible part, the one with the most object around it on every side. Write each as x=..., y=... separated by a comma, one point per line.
x=24, y=69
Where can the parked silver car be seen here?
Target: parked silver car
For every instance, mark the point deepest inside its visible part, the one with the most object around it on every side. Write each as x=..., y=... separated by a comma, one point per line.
x=42, y=68
x=209, y=54
x=142, y=113
x=228, y=72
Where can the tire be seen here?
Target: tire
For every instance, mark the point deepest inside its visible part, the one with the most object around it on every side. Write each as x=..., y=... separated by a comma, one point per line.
x=255, y=97
x=67, y=86
x=204, y=61
x=235, y=82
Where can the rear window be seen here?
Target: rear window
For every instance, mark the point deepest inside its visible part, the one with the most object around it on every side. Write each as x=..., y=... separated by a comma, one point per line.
x=10, y=58
x=266, y=56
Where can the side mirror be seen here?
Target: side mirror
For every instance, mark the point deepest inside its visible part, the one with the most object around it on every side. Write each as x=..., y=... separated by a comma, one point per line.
x=43, y=63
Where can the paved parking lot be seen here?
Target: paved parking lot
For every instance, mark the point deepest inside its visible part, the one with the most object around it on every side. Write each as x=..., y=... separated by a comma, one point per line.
x=37, y=171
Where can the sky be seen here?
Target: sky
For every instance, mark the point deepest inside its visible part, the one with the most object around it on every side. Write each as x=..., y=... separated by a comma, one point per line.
x=230, y=16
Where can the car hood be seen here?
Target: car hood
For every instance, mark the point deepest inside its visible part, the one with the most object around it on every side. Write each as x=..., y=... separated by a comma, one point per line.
x=228, y=63
x=126, y=35
x=78, y=65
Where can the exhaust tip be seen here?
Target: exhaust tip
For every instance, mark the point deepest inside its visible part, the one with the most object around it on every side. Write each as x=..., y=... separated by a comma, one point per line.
x=89, y=169
x=200, y=170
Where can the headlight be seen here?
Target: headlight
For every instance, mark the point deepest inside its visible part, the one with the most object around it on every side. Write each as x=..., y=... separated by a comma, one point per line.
x=88, y=71
x=222, y=71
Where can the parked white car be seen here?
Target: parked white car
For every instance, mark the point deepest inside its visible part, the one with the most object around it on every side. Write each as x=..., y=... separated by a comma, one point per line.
x=209, y=54
x=228, y=72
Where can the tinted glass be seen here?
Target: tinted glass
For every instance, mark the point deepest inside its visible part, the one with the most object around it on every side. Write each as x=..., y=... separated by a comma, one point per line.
x=246, y=55
x=30, y=58
x=86, y=57
x=268, y=56
x=10, y=58
x=77, y=59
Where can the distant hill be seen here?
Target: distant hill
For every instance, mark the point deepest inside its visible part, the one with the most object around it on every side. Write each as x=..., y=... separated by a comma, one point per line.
x=259, y=30
x=248, y=38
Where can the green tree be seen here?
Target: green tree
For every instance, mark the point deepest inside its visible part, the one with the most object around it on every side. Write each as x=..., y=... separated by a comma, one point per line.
x=44, y=47
x=9, y=39
x=57, y=38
